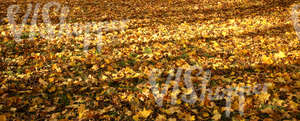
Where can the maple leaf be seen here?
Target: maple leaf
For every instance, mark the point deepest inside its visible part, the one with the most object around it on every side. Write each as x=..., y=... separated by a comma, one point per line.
x=217, y=115
x=81, y=111
x=280, y=55
x=2, y=118
x=267, y=60
x=142, y=114
x=189, y=117
x=161, y=117
x=264, y=97
x=95, y=68
x=145, y=113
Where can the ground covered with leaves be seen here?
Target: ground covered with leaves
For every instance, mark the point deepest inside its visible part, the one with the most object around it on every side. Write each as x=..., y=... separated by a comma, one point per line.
x=242, y=42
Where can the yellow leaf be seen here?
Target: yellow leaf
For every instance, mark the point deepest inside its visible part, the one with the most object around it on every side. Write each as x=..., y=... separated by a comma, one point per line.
x=172, y=110
x=189, y=117
x=72, y=63
x=2, y=118
x=264, y=97
x=270, y=85
x=224, y=33
x=217, y=115
x=267, y=110
x=43, y=82
x=294, y=106
x=81, y=111
x=178, y=101
x=146, y=92
x=54, y=67
x=281, y=80
x=129, y=113
x=145, y=113
x=51, y=79
x=280, y=55
x=107, y=61
x=161, y=118
x=215, y=44
x=136, y=117
x=172, y=119
x=189, y=91
x=103, y=38
x=109, y=68
x=52, y=89
x=95, y=68
x=3, y=33
x=205, y=114
x=245, y=51
x=266, y=60
x=297, y=84
x=129, y=97
x=226, y=67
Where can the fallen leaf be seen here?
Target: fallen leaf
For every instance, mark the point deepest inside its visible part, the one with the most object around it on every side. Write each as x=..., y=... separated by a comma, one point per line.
x=2, y=118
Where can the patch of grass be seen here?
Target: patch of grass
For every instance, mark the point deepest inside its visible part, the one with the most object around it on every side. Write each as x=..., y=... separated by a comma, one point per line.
x=64, y=100
x=133, y=55
x=25, y=35
x=183, y=56
x=131, y=62
x=208, y=55
x=122, y=63
x=148, y=50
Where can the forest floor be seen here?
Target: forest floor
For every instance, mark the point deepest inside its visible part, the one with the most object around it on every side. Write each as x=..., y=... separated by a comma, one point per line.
x=241, y=42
